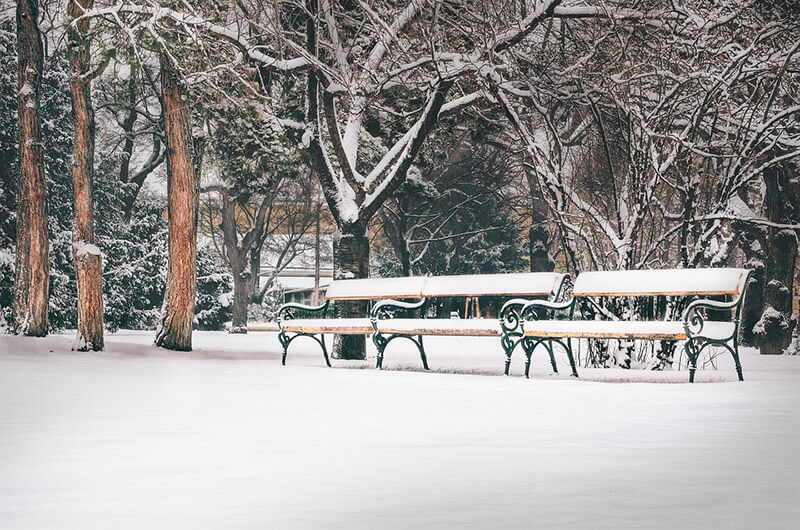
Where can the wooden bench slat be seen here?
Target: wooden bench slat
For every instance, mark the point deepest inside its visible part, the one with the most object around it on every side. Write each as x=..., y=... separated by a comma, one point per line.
x=664, y=282
x=512, y=284
x=603, y=329
x=441, y=326
x=376, y=288
x=339, y=326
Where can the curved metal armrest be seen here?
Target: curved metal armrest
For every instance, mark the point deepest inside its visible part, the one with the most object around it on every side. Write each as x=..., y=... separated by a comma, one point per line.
x=384, y=308
x=711, y=304
x=514, y=302
x=510, y=312
x=302, y=307
x=694, y=321
x=545, y=304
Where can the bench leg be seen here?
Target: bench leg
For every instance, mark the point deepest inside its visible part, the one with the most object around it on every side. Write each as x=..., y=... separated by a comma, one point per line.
x=324, y=350
x=528, y=347
x=552, y=357
x=284, y=340
x=380, y=344
x=691, y=354
x=379, y=360
x=571, y=358
x=738, y=367
x=508, y=347
x=422, y=353
x=737, y=363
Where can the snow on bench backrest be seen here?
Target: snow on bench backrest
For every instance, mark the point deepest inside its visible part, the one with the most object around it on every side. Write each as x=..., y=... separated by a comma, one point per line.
x=515, y=284
x=662, y=282
x=375, y=288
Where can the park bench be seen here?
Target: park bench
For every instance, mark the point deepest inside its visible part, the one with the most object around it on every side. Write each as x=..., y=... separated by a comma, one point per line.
x=394, y=299
x=300, y=320
x=388, y=324
x=686, y=289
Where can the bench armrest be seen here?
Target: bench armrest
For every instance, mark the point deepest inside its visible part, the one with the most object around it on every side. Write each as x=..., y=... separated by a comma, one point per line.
x=693, y=319
x=509, y=315
x=516, y=310
x=529, y=308
x=386, y=308
x=286, y=311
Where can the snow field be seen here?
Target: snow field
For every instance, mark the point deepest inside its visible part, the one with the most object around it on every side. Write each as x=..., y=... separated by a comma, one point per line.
x=226, y=437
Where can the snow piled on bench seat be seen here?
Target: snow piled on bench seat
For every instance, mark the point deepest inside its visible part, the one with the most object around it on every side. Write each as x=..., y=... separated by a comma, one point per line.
x=341, y=326
x=441, y=326
x=375, y=288
x=659, y=282
x=514, y=284
x=613, y=329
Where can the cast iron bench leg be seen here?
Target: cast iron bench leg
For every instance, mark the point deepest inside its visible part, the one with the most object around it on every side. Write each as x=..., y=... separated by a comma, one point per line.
x=552, y=357
x=528, y=347
x=324, y=350
x=422, y=353
x=571, y=358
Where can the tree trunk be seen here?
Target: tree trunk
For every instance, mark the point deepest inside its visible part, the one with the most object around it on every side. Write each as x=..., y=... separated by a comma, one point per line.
x=31, y=283
x=254, y=283
x=241, y=298
x=351, y=260
x=772, y=334
x=177, y=313
x=236, y=257
x=538, y=248
x=88, y=260
x=315, y=296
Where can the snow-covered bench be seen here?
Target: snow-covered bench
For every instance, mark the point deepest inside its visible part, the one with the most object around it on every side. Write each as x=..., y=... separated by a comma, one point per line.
x=299, y=320
x=693, y=286
x=395, y=297
x=389, y=326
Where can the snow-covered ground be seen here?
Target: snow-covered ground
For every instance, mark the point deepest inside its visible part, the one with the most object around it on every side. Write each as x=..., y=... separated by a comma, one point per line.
x=225, y=437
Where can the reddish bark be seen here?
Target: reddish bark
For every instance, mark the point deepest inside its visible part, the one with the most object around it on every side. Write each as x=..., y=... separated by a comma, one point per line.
x=177, y=313
x=31, y=283
x=88, y=261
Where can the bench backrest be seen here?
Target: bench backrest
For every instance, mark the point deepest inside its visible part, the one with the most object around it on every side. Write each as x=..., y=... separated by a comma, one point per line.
x=661, y=282
x=376, y=288
x=514, y=284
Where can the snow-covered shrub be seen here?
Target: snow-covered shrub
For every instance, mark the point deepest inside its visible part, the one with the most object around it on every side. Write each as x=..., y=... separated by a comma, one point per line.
x=63, y=312
x=214, y=293
x=268, y=310
x=6, y=286
x=134, y=266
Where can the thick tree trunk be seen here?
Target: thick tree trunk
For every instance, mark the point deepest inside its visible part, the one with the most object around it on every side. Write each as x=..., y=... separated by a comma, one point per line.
x=350, y=260
x=237, y=262
x=177, y=313
x=241, y=299
x=538, y=248
x=88, y=261
x=315, y=295
x=772, y=334
x=31, y=284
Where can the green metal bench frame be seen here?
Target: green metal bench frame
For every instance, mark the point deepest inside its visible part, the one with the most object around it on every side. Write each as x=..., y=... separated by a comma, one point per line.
x=693, y=322
x=291, y=311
